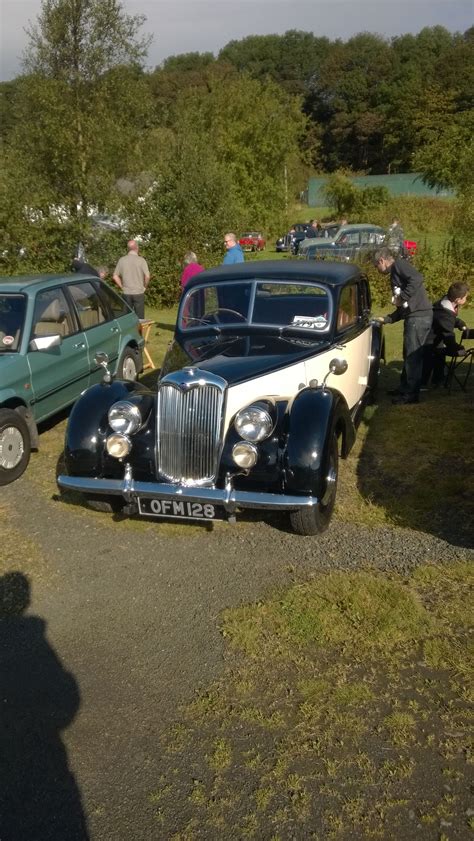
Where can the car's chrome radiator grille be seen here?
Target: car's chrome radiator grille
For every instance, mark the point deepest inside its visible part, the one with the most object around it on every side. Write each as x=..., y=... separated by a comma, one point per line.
x=189, y=422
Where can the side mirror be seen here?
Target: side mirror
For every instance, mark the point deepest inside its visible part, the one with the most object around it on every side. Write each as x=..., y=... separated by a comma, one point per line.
x=337, y=367
x=45, y=342
x=102, y=359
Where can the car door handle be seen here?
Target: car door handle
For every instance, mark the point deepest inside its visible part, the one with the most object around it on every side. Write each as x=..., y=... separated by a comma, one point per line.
x=114, y=330
x=80, y=345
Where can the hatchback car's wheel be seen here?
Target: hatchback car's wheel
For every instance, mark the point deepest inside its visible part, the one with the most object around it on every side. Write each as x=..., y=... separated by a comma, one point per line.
x=316, y=520
x=15, y=446
x=128, y=366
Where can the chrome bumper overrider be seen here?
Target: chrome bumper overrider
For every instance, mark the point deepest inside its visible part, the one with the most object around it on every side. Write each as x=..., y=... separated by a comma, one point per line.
x=229, y=498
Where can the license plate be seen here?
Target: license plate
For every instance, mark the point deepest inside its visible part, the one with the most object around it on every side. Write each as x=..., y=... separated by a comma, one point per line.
x=179, y=509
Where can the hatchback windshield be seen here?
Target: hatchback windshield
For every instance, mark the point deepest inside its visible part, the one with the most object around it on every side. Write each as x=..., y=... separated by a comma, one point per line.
x=12, y=315
x=276, y=303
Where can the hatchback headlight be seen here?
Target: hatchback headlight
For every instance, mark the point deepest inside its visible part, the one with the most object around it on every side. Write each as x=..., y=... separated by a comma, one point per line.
x=253, y=423
x=125, y=417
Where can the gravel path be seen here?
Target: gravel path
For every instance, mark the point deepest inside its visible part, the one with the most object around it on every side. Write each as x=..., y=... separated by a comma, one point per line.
x=132, y=614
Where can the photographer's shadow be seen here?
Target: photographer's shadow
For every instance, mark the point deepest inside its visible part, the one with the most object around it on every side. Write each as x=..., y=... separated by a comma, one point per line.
x=40, y=800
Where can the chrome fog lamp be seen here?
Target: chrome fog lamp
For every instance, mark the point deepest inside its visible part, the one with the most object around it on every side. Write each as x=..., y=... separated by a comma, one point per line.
x=253, y=423
x=118, y=445
x=244, y=455
x=125, y=417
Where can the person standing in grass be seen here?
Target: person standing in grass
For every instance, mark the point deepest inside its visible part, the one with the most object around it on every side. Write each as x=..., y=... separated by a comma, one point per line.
x=191, y=267
x=414, y=308
x=234, y=253
x=132, y=277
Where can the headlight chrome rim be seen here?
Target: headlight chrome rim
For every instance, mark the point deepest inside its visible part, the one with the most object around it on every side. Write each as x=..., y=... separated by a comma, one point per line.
x=253, y=424
x=124, y=417
x=118, y=445
x=245, y=455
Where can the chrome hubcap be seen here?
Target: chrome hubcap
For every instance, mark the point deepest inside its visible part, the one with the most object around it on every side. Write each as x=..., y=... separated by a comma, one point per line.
x=129, y=369
x=11, y=447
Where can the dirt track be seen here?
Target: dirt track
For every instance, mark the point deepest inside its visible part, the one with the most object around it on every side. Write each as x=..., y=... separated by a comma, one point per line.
x=133, y=614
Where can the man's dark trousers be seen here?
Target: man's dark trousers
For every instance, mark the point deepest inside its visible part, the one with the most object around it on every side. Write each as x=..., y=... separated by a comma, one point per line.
x=415, y=333
x=137, y=303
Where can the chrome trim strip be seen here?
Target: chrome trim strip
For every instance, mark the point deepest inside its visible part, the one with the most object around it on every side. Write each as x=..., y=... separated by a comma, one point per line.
x=229, y=498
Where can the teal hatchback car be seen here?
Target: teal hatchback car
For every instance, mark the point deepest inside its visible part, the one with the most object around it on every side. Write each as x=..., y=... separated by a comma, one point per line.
x=51, y=328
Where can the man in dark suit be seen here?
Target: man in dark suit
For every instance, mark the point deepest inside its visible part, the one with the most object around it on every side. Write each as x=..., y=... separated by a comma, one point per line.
x=414, y=308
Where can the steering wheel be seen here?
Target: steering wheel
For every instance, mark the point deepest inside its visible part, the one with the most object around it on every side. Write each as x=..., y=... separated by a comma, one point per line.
x=215, y=313
x=212, y=317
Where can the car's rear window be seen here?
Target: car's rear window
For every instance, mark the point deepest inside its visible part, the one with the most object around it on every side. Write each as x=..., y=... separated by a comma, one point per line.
x=258, y=302
x=12, y=317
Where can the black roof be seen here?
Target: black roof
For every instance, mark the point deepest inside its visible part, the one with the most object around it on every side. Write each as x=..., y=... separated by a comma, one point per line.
x=330, y=272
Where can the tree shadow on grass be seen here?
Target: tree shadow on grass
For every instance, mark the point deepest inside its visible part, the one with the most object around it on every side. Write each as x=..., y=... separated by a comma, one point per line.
x=40, y=798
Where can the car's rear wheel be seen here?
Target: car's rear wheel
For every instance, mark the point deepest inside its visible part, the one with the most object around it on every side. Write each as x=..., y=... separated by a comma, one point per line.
x=15, y=446
x=128, y=366
x=315, y=520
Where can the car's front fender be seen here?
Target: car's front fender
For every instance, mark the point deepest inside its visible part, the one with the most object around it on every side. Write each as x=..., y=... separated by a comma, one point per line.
x=88, y=424
x=316, y=414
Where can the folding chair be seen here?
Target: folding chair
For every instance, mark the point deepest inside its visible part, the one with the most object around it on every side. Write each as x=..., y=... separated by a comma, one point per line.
x=456, y=370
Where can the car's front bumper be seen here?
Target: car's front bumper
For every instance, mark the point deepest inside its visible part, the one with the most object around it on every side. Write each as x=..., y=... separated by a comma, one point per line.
x=229, y=498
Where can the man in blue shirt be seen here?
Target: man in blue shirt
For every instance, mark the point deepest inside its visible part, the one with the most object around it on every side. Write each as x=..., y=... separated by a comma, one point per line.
x=234, y=253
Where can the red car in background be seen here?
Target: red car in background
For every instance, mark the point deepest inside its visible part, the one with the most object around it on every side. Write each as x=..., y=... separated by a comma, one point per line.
x=252, y=241
x=410, y=247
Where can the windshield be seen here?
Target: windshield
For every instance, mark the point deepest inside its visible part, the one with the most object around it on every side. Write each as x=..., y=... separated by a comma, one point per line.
x=277, y=303
x=12, y=316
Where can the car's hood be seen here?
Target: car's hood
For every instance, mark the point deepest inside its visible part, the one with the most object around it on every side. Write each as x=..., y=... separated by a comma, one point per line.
x=239, y=358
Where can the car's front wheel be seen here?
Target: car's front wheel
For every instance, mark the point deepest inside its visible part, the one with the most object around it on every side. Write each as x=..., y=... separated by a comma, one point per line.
x=315, y=520
x=15, y=446
x=128, y=366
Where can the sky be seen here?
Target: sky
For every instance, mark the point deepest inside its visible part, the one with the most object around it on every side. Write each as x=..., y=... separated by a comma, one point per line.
x=181, y=26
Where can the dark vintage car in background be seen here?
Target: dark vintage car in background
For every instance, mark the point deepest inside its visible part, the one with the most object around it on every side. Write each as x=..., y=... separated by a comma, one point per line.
x=252, y=241
x=290, y=241
x=350, y=242
x=262, y=388
x=51, y=327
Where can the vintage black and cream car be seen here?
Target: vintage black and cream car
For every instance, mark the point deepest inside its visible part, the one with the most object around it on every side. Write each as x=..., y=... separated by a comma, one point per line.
x=260, y=391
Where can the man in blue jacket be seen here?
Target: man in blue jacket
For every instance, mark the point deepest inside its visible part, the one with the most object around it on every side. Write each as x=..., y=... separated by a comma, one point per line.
x=414, y=308
x=234, y=253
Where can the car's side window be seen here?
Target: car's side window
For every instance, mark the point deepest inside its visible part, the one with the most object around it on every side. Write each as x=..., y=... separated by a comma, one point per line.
x=116, y=304
x=348, y=310
x=90, y=309
x=51, y=314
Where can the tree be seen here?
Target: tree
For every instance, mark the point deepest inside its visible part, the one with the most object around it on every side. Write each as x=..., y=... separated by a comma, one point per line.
x=231, y=145
x=83, y=102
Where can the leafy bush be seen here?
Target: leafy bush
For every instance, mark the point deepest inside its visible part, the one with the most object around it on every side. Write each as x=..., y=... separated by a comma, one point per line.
x=347, y=199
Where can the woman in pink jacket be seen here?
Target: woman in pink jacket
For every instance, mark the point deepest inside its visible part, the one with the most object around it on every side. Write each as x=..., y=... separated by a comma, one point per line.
x=191, y=267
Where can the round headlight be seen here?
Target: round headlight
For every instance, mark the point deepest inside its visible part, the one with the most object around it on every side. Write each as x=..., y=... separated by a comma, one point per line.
x=253, y=423
x=118, y=445
x=244, y=455
x=124, y=417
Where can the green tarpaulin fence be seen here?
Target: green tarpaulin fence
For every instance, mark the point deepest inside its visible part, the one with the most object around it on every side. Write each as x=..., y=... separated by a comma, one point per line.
x=402, y=184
